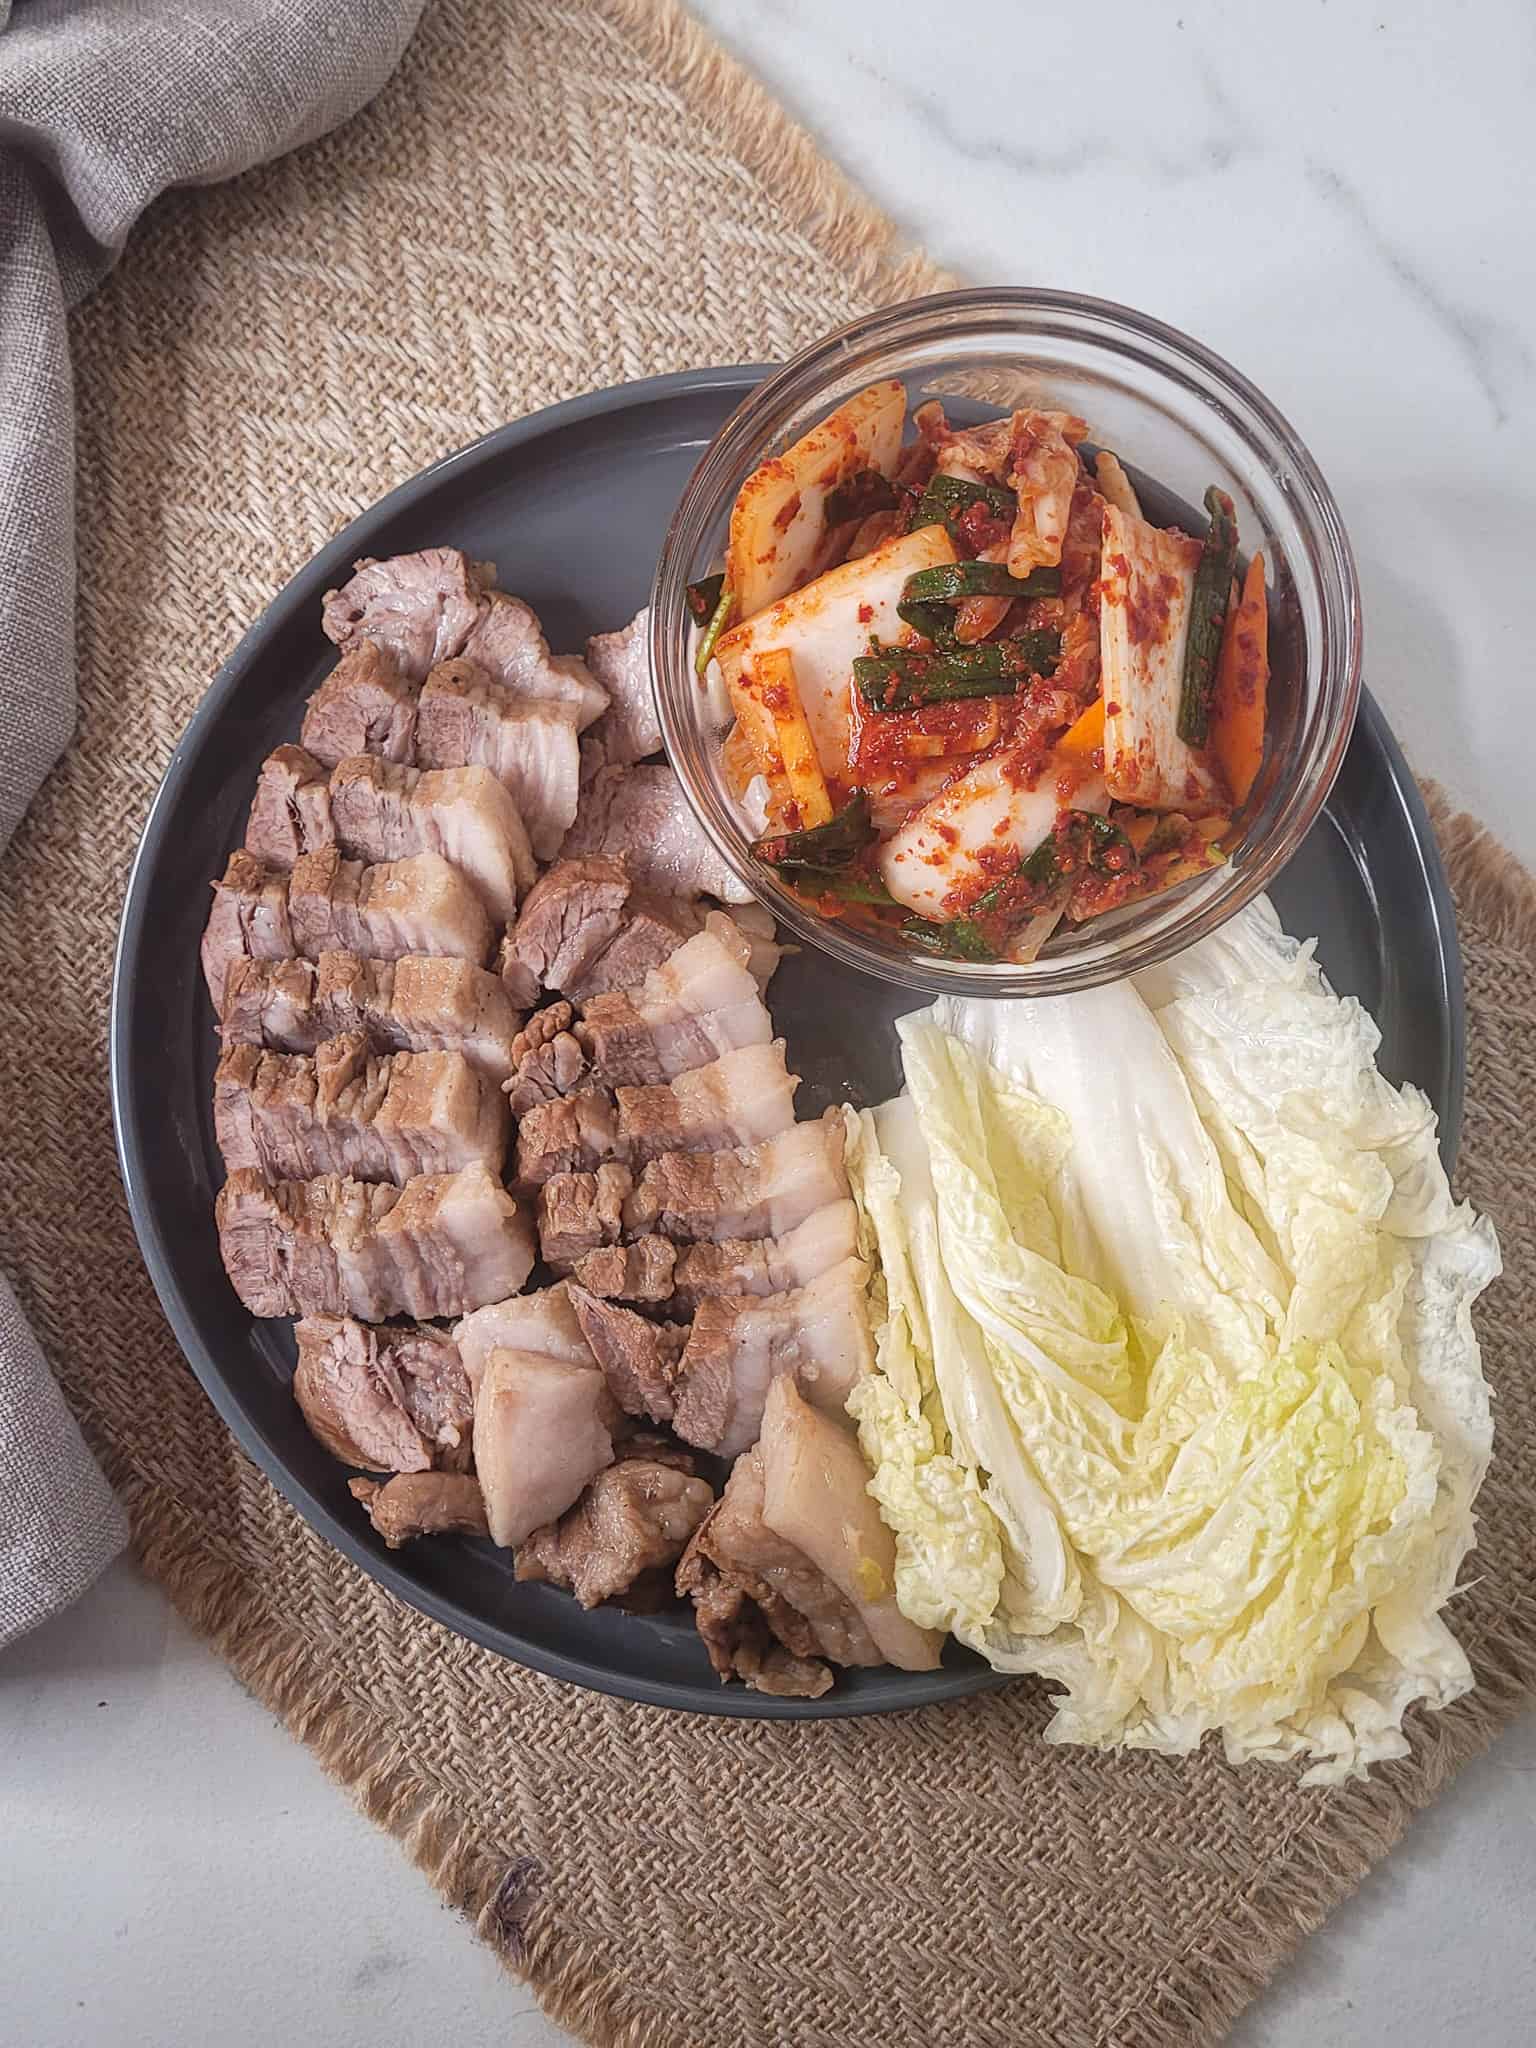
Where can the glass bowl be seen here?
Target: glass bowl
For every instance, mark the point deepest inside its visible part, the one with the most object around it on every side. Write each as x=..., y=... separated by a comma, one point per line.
x=1180, y=419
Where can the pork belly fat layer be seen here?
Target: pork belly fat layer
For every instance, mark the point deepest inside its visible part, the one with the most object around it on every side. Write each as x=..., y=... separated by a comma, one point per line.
x=754, y=1191
x=466, y=719
x=385, y=812
x=382, y=912
x=543, y=1430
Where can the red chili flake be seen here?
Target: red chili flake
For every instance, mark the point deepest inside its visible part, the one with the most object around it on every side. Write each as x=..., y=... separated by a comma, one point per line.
x=866, y=613
x=787, y=513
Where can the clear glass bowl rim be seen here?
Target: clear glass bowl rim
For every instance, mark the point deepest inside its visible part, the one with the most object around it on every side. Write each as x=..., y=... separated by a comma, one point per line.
x=753, y=428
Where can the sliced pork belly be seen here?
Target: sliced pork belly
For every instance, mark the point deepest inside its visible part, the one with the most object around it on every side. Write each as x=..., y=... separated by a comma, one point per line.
x=634, y=1517
x=416, y=1504
x=421, y=1003
x=749, y=925
x=291, y=810
x=652, y=929
x=765, y=1612
x=544, y=1322
x=739, y=1099
x=578, y=1212
x=571, y=914
x=395, y=1399
x=638, y=1357
x=737, y=1347
x=385, y=812
x=643, y=814
x=815, y=1497
x=421, y=608
x=350, y=1111
x=765, y=1265
x=419, y=905
x=754, y=1191
x=641, y=1271
x=700, y=1004
x=366, y=705
x=440, y=1246
x=467, y=718
x=629, y=729
x=508, y=642
x=547, y=1060
x=249, y=921
x=271, y=1002
x=543, y=1431
x=574, y=1134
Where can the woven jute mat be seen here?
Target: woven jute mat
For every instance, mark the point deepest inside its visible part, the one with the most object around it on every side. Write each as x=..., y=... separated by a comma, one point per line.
x=550, y=198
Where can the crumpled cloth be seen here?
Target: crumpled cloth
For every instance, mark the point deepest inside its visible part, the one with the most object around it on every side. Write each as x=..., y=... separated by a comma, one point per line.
x=104, y=105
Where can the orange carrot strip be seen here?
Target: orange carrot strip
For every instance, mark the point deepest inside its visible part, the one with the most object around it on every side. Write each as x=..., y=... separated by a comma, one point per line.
x=1242, y=687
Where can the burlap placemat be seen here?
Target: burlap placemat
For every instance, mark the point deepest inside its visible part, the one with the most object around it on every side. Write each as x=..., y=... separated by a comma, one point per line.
x=545, y=200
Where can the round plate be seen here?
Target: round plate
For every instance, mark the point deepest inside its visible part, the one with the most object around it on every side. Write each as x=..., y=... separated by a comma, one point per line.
x=571, y=504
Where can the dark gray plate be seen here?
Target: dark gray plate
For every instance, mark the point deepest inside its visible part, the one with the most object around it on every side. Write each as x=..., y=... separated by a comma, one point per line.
x=571, y=504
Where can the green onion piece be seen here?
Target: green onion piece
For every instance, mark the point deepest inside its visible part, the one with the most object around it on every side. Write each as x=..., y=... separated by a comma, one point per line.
x=705, y=651
x=936, y=622
x=703, y=597
x=950, y=581
x=1081, y=839
x=947, y=496
x=901, y=678
x=834, y=845
x=847, y=885
x=857, y=496
x=1207, y=617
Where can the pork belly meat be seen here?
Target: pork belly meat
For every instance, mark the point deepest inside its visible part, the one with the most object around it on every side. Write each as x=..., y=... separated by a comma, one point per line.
x=641, y=1271
x=639, y=1358
x=249, y=921
x=547, y=1060
x=634, y=1517
x=271, y=1002
x=650, y=932
x=508, y=643
x=764, y=1265
x=416, y=1504
x=421, y=1003
x=701, y=1003
x=754, y=1191
x=815, y=1497
x=573, y=1134
x=739, y=1099
x=570, y=915
x=395, y=1399
x=385, y=812
x=466, y=718
x=421, y=608
x=629, y=729
x=440, y=1246
x=418, y=905
x=544, y=1418
x=579, y=1212
x=350, y=1111
x=291, y=811
x=750, y=1588
x=738, y=1346
x=366, y=705
x=642, y=813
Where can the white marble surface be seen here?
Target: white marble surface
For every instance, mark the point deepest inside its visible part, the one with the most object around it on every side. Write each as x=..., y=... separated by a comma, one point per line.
x=1338, y=197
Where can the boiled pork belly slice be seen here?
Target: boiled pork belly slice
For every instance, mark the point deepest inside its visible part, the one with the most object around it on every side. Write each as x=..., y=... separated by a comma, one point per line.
x=819, y=1334
x=249, y=921
x=508, y=642
x=382, y=912
x=272, y=1003
x=764, y=1265
x=393, y=1399
x=543, y=1431
x=641, y=1271
x=544, y=1321
x=420, y=1003
x=741, y=1098
x=420, y=608
x=570, y=916
x=351, y=1111
x=467, y=718
x=366, y=705
x=629, y=729
x=753, y=1191
x=384, y=812
x=579, y=1212
x=440, y=1246
x=634, y=1517
x=642, y=813
x=701, y=1003
x=416, y=1504
x=638, y=1357
x=290, y=813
